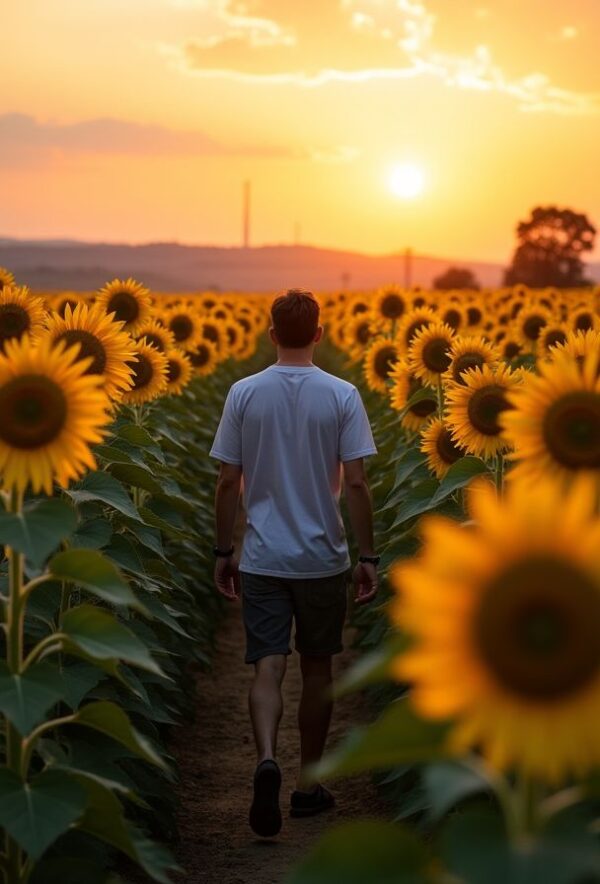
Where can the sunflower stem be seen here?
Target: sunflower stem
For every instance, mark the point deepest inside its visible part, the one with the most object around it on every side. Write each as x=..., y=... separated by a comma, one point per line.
x=14, y=659
x=440, y=398
x=500, y=474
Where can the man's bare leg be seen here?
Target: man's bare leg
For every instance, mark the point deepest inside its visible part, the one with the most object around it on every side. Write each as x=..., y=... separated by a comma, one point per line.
x=266, y=704
x=314, y=712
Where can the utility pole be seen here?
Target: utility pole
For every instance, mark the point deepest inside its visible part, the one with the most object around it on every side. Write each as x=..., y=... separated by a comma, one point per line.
x=246, y=214
x=408, y=262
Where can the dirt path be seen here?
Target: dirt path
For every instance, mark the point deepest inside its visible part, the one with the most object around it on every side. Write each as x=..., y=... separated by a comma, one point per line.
x=216, y=759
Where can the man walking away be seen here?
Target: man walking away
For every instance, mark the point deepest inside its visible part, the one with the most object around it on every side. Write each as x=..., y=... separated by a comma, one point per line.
x=291, y=431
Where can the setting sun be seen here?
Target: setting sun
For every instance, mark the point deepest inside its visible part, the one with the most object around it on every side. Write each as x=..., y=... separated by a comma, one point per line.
x=407, y=181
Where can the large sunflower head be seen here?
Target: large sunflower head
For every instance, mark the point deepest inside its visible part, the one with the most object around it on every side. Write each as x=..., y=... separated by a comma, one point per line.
x=403, y=387
x=429, y=354
x=440, y=448
x=505, y=618
x=416, y=319
x=128, y=300
x=179, y=371
x=203, y=358
x=52, y=412
x=20, y=314
x=378, y=363
x=150, y=374
x=157, y=335
x=6, y=278
x=474, y=408
x=554, y=424
x=98, y=340
x=472, y=351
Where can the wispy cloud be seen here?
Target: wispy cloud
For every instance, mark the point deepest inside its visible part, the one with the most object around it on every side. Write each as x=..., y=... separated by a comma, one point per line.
x=357, y=41
x=23, y=138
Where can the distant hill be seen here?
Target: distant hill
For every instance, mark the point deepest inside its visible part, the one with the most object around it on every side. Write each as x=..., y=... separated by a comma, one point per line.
x=66, y=264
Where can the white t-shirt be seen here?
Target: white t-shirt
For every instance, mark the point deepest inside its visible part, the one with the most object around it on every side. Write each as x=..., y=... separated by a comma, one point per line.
x=290, y=428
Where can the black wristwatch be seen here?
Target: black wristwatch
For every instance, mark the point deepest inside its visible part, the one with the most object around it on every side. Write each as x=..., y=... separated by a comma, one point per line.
x=222, y=553
x=370, y=560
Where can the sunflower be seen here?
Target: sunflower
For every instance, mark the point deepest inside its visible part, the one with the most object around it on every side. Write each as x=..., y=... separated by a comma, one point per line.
x=469, y=352
x=150, y=374
x=20, y=314
x=214, y=330
x=505, y=618
x=529, y=324
x=554, y=425
x=156, y=335
x=474, y=407
x=510, y=348
x=412, y=322
x=579, y=345
x=128, y=300
x=52, y=411
x=390, y=304
x=66, y=299
x=452, y=314
x=203, y=358
x=6, y=278
x=438, y=445
x=584, y=319
x=429, y=354
x=184, y=325
x=404, y=386
x=179, y=371
x=553, y=334
x=378, y=363
x=234, y=336
x=99, y=340
x=474, y=316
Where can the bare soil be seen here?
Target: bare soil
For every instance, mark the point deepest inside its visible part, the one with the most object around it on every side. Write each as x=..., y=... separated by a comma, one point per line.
x=216, y=758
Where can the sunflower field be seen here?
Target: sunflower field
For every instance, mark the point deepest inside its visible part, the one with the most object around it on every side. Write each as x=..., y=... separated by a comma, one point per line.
x=482, y=656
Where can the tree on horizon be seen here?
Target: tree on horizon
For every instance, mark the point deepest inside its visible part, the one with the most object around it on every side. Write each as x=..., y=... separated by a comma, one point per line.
x=550, y=248
x=456, y=278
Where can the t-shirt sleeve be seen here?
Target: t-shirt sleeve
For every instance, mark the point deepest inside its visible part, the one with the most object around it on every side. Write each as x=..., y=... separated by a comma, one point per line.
x=356, y=438
x=227, y=444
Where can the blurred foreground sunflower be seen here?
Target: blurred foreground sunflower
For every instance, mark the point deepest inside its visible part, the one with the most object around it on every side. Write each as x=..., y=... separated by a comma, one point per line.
x=506, y=622
x=150, y=370
x=99, y=340
x=128, y=300
x=20, y=314
x=52, y=412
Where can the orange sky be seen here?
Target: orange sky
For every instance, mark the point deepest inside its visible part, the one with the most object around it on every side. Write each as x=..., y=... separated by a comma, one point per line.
x=137, y=120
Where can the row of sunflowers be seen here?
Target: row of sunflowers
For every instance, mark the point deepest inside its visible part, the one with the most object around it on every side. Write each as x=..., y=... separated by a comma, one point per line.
x=108, y=405
x=485, y=652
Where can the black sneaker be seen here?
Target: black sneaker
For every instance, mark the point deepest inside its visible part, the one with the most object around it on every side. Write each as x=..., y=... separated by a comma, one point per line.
x=310, y=803
x=265, y=815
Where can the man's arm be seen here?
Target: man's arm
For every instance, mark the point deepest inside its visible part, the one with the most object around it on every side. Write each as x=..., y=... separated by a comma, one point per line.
x=227, y=496
x=360, y=511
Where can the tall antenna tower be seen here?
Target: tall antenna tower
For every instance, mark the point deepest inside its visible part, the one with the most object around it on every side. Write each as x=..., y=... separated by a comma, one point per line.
x=246, y=214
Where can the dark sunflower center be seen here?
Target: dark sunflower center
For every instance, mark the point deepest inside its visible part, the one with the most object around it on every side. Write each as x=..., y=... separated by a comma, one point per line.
x=62, y=307
x=512, y=350
x=584, y=322
x=413, y=328
x=424, y=407
x=125, y=306
x=34, y=411
x=452, y=318
x=392, y=306
x=359, y=308
x=571, y=430
x=200, y=356
x=436, y=356
x=384, y=362
x=537, y=628
x=231, y=335
x=419, y=301
x=143, y=372
x=363, y=333
x=448, y=450
x=474, y=316
x=155, y=341
x=485, y=405
x=245, y=323
x=211, y=333
x=90, y=346
x=14, y=322
x=464, y=362
x=173, y=371
x=182, y=327
x=554, y=336
x=533, y=326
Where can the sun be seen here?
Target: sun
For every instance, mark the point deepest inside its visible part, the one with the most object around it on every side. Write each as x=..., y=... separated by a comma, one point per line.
x=407, y=181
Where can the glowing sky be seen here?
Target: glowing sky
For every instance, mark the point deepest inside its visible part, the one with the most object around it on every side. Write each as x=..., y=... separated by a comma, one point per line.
x=138, y=120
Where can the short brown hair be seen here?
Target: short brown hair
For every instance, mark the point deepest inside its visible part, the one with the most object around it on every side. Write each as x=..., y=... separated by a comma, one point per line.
x=295, y=318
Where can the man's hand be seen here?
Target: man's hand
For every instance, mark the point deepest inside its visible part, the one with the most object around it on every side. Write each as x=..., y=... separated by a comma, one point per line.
x=227, y=577
x=364, y=578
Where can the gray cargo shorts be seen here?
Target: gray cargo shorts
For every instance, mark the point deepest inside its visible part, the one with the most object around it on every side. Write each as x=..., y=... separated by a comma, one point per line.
x=316, y=604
